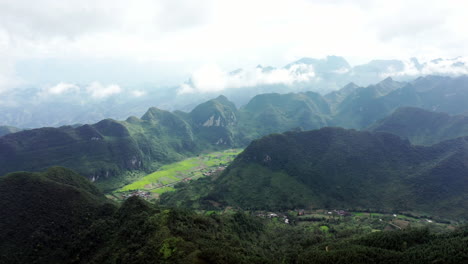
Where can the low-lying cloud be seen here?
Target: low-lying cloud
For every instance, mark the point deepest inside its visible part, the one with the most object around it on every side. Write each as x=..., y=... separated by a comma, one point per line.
x=211, y=78
x=62, y=88
x=138, y=93
x=95, y=90
x=446, y=67
x=99, y=91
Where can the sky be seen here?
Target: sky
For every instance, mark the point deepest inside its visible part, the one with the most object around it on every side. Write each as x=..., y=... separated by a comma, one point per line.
x=104, y=45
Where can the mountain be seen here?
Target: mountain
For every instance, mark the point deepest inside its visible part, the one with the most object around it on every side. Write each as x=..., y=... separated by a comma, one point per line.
x=423, y=127
x=8, y=130
x=117, y=151
x=336, y=97
x=327, y=65
x=44, y=213
x=272, y=113
x=367, y=105
x=376, y=69
x=446, y=95
x=215, y=121
x=57, y=216
x=338, y=168
x=101, y=151
x=110, y=151
x=364, y=106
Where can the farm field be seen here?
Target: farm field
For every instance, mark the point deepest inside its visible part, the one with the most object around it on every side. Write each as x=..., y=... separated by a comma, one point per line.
x=163, y=180
x=344, y=223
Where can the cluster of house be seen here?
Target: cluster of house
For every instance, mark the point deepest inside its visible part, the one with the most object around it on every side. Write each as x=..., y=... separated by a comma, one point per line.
x=273, y=215
x=333, y=212
x=139, y=193
x=340, y=213
x=215, y=170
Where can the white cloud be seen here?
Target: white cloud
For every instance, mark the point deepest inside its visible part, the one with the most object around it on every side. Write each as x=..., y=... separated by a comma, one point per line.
x=447, y=67
x=7, y=83
x=230, y=33
x=453, y=67
x=62, y=88
x=210, y=78
x=8, y=78
x=99, y=91
x=138, y=93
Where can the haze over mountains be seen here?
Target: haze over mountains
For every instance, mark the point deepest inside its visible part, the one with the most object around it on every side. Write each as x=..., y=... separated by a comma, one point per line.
x=73, y=103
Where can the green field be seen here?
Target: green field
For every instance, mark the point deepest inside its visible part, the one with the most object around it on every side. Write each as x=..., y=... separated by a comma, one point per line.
x=167, y=176
x=364, y=222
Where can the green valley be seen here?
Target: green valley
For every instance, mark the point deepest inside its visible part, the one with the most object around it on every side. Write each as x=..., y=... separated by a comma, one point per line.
x=187, y=170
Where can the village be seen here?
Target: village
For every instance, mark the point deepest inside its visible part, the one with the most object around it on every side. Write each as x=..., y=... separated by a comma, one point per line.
x=139, y=193
x=323, y=219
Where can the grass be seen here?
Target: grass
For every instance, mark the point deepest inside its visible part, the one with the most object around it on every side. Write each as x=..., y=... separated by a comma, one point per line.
x=189, y=169
x=324, y=228
x=162, y=190
x=360, y=222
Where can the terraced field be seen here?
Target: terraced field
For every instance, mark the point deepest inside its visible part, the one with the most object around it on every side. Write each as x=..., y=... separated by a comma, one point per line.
x=163, y=180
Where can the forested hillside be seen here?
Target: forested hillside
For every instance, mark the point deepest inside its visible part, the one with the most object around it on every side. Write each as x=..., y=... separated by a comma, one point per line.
x=423, y=127
x=58, y=217
x=338, y=168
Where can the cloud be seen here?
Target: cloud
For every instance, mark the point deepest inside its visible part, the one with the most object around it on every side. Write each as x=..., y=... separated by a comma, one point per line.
x=453, y=67
x=51, y=18
x=446, y=67
x=7, y=83
x=138, y=93
x=8, y=78
x=99, y=91
x=210, y=78
x=409, y=20
x=62, y=88
x=231, y=33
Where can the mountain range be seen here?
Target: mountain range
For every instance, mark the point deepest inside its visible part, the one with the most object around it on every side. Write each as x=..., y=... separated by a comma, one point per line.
x=111, y=148
x=423, y=127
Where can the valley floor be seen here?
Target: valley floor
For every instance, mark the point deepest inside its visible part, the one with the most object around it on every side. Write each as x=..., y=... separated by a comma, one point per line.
x=163, y=180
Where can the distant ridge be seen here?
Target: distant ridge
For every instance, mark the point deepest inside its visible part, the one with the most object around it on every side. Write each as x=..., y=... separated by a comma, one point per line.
x=423, y=127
